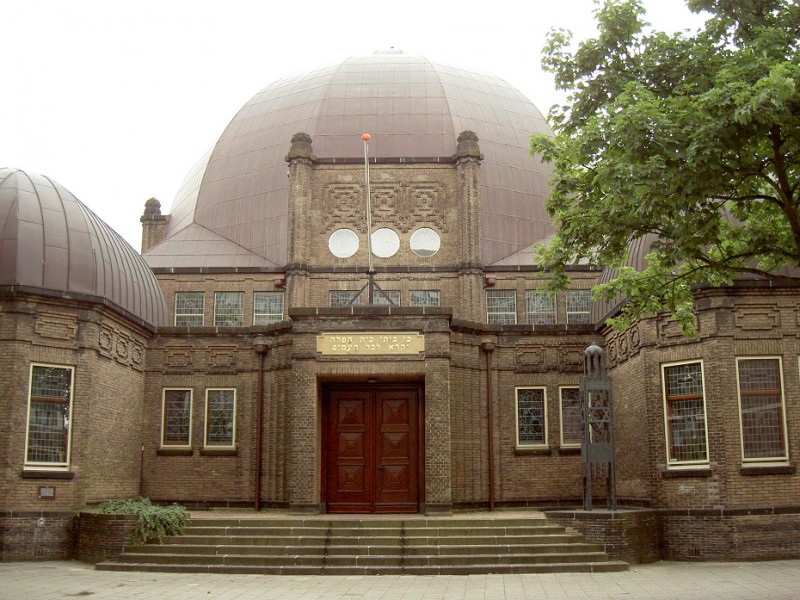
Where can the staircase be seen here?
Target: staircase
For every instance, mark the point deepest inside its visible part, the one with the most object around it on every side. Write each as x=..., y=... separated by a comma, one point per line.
x=369, y=546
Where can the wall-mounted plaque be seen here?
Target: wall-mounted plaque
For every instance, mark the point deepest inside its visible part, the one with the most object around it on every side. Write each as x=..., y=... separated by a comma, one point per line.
x=370, y=343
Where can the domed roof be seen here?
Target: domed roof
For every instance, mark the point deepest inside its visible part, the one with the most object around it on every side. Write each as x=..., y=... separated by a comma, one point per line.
x=413, y=108
x=50, y=241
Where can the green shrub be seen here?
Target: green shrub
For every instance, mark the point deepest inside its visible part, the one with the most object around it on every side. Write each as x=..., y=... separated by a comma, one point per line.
x=153, y=522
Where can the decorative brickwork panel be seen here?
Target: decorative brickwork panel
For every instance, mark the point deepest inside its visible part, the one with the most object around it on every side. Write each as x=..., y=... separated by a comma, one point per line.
x=178, y=359
x=531, y=361
x=222, y=359
x=757, y=319
x=424, y=200
x=116, y=344
x=344, y=205
x=56, y=327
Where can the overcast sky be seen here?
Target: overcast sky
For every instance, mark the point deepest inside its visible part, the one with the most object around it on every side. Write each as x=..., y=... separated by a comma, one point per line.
x=117, y=99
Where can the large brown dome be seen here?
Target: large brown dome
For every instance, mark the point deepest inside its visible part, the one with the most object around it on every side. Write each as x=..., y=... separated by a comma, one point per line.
x=232, y=209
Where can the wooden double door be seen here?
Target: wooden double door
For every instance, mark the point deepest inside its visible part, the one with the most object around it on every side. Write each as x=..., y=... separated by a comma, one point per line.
x=372, y=448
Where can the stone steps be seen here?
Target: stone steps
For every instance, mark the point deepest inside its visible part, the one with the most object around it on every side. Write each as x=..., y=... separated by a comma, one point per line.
x=369, y=546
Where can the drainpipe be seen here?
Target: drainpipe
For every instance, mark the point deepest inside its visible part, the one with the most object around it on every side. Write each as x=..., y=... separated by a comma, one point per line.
x=261, y=350
x=488, y=348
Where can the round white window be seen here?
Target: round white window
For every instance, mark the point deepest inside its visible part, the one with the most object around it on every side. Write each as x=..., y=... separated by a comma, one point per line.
x=343, y=243
x=425, y=242
x=385, y=243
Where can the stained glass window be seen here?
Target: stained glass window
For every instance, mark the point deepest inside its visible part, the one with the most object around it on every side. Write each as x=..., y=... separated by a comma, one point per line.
x=570, y=416
x=189, y=308
x=267, y=307
x=761, y=409
x=220, y=417
x=531, y=422
x=228, y=309
x=49, y=416
x=425, y=297
x=685, y=413
x=177, y=418
x=541, y=307
x=578, y=305
x=501, y=307
x=343, y=297
x=386, y=297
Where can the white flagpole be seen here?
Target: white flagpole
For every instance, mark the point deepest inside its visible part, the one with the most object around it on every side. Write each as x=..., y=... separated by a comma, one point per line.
x=366, y=138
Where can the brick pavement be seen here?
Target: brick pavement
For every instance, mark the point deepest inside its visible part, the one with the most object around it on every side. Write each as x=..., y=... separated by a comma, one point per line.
x=774, y=580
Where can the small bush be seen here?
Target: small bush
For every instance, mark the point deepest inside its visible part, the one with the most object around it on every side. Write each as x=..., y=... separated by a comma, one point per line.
x=153, y=522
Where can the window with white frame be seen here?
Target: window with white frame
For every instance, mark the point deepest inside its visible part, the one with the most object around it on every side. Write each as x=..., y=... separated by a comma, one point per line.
x=228, y=309
x=176, y=423
x=424, y=298
x=267, y=307
x=220, y=417
x=501, y=307
x=47, y=440
x=343, y=297
x=761, y=409
x=189, y=309
x=387, y=297
x=685, y=413
x=531, y=416
x=570, y=417
x=540, y=307
x=579, y=303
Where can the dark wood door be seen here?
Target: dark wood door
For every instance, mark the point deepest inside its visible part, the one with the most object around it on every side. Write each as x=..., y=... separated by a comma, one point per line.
x=372, y=453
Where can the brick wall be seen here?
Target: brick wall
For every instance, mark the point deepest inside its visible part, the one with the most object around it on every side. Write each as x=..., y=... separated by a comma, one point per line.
x=629, y=535
x=36, y=536
x=102, y=537
x=107, y=353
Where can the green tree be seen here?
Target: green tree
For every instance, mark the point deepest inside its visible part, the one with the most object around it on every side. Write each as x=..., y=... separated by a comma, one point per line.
x=689, y=142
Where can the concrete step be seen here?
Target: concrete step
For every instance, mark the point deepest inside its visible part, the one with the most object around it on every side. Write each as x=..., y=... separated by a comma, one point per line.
x=471, y=569
x=370, y=546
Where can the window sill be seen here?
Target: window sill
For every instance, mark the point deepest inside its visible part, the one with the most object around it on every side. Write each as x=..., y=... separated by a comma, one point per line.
x=686, y=472
x=541, y=451
x=767, y=470
x=166, y=451
x=569, y=450
x=219, y=451
x=31, y=474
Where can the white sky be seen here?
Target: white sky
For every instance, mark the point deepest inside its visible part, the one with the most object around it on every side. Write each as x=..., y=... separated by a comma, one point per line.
x=117, y=99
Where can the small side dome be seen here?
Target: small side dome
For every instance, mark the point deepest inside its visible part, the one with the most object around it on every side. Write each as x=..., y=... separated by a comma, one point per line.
x=50, y=241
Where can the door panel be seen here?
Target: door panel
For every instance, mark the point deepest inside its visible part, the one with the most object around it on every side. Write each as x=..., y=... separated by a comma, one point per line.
x=372, y=462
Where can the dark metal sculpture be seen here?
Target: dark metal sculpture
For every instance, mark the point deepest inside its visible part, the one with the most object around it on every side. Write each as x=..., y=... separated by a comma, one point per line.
x=597, y=443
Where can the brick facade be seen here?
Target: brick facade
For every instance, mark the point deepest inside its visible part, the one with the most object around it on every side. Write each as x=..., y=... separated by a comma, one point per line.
x=469, y=372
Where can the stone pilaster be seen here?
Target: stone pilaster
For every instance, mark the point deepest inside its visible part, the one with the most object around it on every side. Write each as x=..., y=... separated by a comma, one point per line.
x=468, y=162
x=301, y=165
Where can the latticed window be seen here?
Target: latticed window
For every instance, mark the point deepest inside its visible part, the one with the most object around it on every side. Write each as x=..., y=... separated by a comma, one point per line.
x=531, y=420
x=570, y=416
x=343, y=297
x=220, y=417
x=176, y=425
x=579, y=303
x=267, y=307
x=761, y=409
x=540, y=307
x=685, y=411
x=189, y=308
x=501, y=307
x=425, y=298
x=228, y=309
x=49, y=416
x=387, y=297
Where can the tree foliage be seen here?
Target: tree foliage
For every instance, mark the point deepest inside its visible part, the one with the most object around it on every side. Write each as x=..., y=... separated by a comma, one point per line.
x=690, y=141
x=153, y=522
